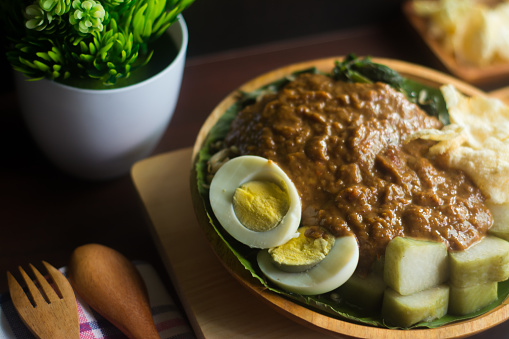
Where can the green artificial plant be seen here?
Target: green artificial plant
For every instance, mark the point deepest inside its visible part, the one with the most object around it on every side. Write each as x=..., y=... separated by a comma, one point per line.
x=97, y=39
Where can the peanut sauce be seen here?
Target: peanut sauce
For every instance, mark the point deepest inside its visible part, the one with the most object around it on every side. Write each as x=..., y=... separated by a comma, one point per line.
x=342, y=144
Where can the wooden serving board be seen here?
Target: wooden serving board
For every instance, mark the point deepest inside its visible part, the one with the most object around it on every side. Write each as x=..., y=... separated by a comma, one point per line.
x=216, y=304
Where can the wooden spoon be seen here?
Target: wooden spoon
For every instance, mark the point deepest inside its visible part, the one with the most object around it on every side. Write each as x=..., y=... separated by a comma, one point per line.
x=111, y=285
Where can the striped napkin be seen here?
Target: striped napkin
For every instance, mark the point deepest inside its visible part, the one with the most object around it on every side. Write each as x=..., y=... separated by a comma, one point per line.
x=167, y=317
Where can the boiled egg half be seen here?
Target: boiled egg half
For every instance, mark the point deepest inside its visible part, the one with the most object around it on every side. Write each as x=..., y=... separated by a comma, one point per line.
x=255, y=202
x=311, y=265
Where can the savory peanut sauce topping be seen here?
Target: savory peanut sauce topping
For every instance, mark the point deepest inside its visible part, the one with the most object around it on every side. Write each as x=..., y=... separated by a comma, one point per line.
x=342, y=144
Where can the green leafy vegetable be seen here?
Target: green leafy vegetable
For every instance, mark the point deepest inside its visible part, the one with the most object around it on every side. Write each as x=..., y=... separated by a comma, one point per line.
x=430, y=99
x=365, y=71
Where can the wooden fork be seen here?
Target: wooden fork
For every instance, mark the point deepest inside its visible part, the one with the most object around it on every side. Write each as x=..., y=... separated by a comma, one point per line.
x=52, y=315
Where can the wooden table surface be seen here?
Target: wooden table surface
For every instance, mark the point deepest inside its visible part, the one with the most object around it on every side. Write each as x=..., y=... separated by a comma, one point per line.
x=45, y=214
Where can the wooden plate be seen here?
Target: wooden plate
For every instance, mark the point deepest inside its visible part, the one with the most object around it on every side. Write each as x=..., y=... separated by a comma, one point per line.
x=290, y=309
x=472, y=74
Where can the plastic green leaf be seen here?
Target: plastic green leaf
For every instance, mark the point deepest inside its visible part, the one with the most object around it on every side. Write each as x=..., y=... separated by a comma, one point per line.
x=27, y=62
x=147, y=30
x=105, y=49
x=113, y=27
x=84, y=48
x=37, y=18
x=47, y=5
x=162, y=29
x=55, y=7
x=43, y=55
x=54, y=56
x=129, y=43
x=139, y=19
x=87, y=16
x=92, y=48
x=96, y=40
x=42, y=66
x=164, y=20
x=87, y=57
x=62, y=7
x=149, y=11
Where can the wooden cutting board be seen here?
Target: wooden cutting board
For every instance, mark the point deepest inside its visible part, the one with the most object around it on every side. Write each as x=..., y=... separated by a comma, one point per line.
x=216, y=304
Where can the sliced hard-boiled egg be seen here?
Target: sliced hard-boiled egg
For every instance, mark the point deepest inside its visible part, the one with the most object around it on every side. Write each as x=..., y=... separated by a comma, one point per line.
x=255, y=202
x=330, y=273
x=304, y=252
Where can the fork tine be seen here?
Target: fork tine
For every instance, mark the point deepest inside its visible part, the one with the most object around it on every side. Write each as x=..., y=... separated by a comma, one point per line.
x=16, y=290
x=48, y=291
x=57, y=319
x=61, y=282
x=34, y=291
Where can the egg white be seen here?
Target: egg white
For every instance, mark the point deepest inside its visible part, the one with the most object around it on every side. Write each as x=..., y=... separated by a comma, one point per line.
x=232, y=175
x=332, y=272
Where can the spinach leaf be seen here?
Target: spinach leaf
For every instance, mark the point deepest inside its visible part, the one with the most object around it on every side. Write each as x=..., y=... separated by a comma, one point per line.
x=430, y=99
x=364, y=70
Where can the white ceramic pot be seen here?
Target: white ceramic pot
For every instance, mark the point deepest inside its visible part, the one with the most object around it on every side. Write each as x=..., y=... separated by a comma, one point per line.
x=100, y=134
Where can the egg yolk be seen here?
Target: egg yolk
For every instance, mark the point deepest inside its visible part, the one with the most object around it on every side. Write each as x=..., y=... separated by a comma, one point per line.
x=303, y=252
x=260, y=205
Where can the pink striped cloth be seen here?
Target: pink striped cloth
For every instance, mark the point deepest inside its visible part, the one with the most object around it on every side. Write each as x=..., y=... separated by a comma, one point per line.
x=168, y=319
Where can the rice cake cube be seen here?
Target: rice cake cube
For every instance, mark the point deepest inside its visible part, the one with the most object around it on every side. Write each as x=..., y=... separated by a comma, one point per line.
x=484, y=262
x=465, y=300
x=365, y=292
x=413, y=265
x=407, y=310
x=500, y=213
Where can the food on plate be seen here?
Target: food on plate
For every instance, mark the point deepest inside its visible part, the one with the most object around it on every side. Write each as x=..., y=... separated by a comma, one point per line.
x=406, y=310
x=475, y=274
x=483, y=262
x=303, y=252
x=377, y=163
x=255, y=201
x=482, y=128
x=364, y=291
x=414, y=268
x=330, y=273
x=341, y=144
x=474, y=32
x=465, y=300
x=500, y=214
x=413, y=265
